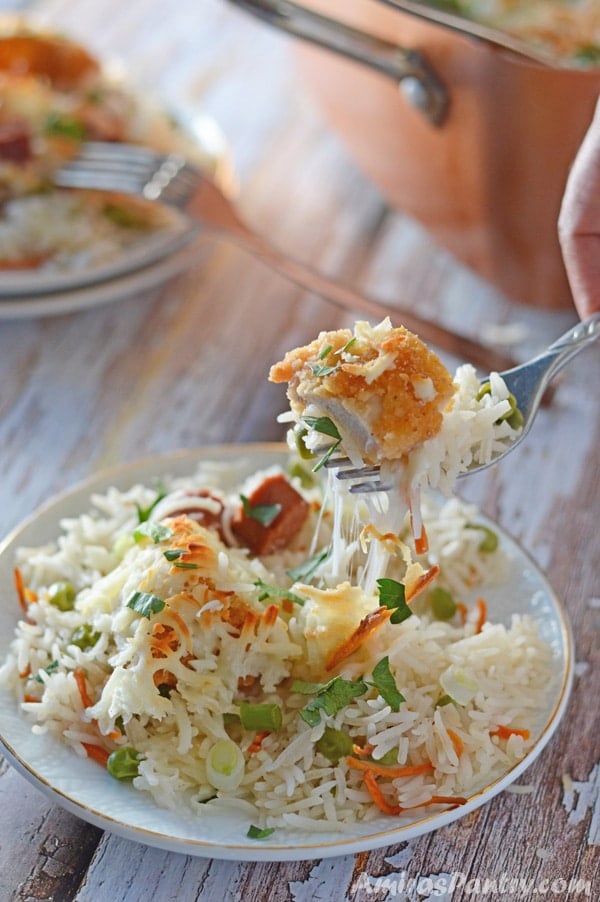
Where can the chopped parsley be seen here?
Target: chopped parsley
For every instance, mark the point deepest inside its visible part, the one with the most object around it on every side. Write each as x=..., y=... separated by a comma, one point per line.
x=384, y=682
x=50, y=669
x=392, y=594
x=267, y=591
x=326, y=427
x=145, y=603
x=329, y=697
x=144, y=512
x=64, y=126
x=304, y=572
x=258, y=832
x=264, y=514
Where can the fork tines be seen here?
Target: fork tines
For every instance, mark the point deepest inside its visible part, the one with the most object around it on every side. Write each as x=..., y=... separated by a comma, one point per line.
x=130, y=169
x=347, y=471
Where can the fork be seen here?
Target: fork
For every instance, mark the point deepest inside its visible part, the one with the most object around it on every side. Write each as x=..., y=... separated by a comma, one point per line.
x=527, y=382
x=171, y=179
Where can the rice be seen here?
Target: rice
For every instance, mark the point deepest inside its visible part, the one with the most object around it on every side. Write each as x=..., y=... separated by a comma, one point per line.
x=71, y=231
x=170, y=685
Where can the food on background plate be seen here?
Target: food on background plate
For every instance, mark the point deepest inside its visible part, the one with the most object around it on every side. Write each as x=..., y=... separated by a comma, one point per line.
x=195, y=638
x=53, y=96
x=566, y=29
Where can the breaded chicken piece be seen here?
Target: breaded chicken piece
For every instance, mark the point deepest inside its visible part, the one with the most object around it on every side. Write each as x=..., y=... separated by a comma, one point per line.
x=381, y=386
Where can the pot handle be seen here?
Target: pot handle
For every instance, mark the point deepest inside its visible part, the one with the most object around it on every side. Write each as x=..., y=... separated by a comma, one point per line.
x=413, y=73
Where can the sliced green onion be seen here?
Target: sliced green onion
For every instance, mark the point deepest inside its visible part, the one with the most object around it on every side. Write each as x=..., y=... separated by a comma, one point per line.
x=150, y=529
x=334, y=744
x=62, y=595
x=513, y=415
x=456, y=683
x=225, y=765
x=443, y=606
x=260, y=717
x=299, y=435
x=122, y=545
x=123, y=764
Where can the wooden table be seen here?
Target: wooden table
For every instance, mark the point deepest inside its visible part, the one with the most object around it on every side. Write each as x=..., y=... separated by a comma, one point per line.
x=145, y=375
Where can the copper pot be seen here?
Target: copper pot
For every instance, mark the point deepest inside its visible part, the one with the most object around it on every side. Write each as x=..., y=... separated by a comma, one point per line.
x=476, y=147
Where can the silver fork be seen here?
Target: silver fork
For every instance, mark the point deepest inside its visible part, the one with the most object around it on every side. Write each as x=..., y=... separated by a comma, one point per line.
x=526, y=382
x=171, y=179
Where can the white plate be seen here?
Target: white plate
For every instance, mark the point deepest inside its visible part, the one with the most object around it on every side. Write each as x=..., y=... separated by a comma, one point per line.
x=83, y=788
x=143, y=278
x=147, y=264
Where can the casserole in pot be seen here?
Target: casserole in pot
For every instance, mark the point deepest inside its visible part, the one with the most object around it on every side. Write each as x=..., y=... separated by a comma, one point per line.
x=478, y=145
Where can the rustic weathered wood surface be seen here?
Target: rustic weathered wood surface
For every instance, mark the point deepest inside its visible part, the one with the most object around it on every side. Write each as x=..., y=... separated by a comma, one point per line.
x=186, y=364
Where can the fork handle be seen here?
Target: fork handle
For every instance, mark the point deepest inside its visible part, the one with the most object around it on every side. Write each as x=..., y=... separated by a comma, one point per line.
x=581, y=334
x=345, y=297
x=571, y=343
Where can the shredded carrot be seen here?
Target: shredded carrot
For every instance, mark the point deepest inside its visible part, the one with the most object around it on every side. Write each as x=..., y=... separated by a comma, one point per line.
x=96, y=753
x=378, y=797
x=457, y=742
x=114, y=735
x=287, y=605
x=270, y=615
x=482, y=614
x=256, y=744
x=384, y=806
x=381, y=770
x=506, y=732
x=21, y=592
x=364, y=629
x=80, y=680
x=421, y=583
x=422, y=542
x=24, y=674
x=30, y=698
x=362, y=750
x=462, y=611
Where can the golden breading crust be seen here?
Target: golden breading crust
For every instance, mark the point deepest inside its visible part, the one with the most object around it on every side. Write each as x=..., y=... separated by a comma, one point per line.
x=381, y=386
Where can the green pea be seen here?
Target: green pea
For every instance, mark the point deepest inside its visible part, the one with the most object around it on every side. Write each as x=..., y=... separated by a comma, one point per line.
x=389, y=759
x=443, y=606
x=334, y=744
x=62, y=595
x=85, y=637
x=489, y=542
x=123, y=764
